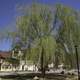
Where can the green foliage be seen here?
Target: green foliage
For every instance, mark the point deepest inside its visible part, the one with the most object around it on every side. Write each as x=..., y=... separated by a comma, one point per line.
x=49, y=45
x=69, y=33
x=33, y=30
x=13, y=61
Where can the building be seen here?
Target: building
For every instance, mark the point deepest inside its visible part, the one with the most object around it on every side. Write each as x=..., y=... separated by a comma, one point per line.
x=24, y=65
x=12, y=61
x=4, y=64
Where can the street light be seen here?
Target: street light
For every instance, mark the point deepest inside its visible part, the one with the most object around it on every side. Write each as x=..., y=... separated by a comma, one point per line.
x=77, y=60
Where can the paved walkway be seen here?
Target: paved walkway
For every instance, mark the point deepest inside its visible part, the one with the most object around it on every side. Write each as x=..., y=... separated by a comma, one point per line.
x=30, y=74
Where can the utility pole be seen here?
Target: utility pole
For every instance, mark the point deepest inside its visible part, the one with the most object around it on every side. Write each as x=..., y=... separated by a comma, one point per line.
x=77, y=60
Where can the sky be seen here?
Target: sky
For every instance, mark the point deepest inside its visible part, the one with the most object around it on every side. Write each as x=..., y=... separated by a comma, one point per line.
x=8, y=13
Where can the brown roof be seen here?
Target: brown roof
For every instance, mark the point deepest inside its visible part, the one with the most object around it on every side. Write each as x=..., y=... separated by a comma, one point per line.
x=5, y=54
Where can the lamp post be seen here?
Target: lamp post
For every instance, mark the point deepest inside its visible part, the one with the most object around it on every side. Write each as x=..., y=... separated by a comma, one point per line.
x=77, y=60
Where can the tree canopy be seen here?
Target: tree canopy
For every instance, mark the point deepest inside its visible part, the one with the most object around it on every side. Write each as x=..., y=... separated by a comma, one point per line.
x=56, y=29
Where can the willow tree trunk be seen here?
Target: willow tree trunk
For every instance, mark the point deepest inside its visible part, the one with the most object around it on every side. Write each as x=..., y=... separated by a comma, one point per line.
x=42, y=63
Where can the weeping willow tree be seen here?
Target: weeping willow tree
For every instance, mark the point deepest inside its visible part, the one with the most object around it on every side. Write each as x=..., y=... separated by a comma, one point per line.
x=47, y=43
x=33, y=34
x=68, y=33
